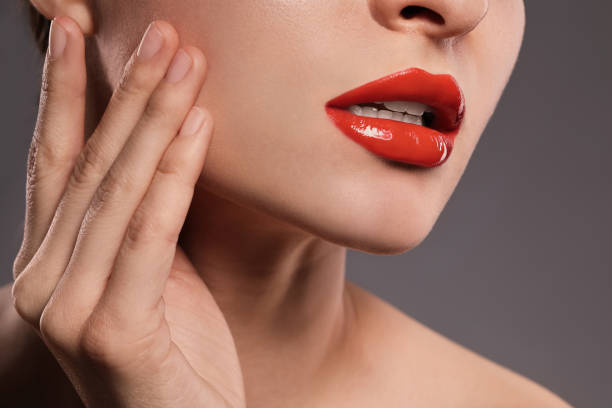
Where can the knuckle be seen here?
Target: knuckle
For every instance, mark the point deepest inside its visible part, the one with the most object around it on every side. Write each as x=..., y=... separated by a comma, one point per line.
x=140, y=230
x=21, y=261
x=145, y=229
x=163, y=108
x=96, y=340
x=173, y=170
x=89, y=167
x=23, y=303
x=133, y=83
x=53, y=327
x=107, y=343
x=174, y=173
x=117, y=181
x=44, y=159
x=114, y=184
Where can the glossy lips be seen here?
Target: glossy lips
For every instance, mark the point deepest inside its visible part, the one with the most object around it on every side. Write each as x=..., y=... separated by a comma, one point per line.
x=399, y=141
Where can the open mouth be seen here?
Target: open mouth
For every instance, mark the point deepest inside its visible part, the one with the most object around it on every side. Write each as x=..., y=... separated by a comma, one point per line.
x=400, y=111
x=410, y=116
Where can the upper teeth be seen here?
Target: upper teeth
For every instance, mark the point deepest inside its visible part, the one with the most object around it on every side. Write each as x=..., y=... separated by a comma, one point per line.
x=413, y=108
x=403, y=111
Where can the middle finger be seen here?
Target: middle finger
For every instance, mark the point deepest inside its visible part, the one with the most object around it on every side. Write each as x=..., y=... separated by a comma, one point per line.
x=141, y=76
x=127, y=181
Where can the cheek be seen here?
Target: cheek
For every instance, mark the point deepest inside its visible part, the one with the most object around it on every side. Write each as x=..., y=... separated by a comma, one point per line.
x=273, y=65
x=485, y=60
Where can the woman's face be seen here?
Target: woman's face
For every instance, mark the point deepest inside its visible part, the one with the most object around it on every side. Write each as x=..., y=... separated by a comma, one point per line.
x=272, y=66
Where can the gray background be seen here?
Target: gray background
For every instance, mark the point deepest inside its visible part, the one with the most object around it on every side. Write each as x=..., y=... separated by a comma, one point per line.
x=517, y=267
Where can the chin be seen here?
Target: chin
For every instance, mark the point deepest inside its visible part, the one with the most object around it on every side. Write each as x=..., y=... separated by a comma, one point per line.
x=388, y=232
x=347, y=205
x=371, y=223
x=382, y=218
x=387, y=242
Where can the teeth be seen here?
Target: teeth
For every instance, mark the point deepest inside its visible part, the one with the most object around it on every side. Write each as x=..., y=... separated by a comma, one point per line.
x=372, y=112
x=399, y=116
x=417, y=120
x=413, y=108
x=384, y=114
x=369, y=112
x=355, y=110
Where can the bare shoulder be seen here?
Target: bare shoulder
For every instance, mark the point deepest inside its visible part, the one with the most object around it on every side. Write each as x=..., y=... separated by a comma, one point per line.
x=423, y=362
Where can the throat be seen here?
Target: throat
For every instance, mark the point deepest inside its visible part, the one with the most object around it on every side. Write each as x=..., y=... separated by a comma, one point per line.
x=271, y=280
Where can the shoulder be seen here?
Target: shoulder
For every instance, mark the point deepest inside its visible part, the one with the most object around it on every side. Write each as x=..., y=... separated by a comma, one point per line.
x=420, y=362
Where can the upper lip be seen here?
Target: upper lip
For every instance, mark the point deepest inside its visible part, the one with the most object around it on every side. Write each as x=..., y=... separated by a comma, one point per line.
x=439, y=91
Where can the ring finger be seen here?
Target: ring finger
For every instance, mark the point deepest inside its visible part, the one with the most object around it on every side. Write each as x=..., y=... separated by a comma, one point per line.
x=142, y=74
x=127, y=181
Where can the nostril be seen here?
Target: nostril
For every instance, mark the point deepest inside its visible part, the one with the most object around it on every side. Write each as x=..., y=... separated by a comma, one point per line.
x=410, y=12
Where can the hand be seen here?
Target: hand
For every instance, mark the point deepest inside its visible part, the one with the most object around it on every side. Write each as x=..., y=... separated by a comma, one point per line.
x=99, y=274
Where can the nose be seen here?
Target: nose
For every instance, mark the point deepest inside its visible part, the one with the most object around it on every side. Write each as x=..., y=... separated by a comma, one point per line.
x=438, y=19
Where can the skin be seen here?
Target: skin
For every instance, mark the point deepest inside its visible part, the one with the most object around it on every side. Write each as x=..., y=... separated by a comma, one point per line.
x=209, y=270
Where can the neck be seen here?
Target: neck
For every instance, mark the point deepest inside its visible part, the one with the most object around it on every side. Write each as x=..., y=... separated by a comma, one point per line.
x=282, y=291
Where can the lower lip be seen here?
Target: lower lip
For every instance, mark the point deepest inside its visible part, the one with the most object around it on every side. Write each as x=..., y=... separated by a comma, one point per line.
x=394, y=140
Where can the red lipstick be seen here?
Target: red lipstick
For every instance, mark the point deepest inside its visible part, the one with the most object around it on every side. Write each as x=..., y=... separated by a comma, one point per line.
x=428, y=145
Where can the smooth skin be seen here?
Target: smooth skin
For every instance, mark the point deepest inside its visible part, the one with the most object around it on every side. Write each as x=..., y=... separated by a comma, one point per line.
x=161, y=269
x=101, y=276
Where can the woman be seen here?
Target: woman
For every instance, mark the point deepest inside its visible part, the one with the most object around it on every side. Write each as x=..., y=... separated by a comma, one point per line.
x=170, y=261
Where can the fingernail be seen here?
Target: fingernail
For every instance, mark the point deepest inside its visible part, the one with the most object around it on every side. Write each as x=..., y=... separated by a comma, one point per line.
x=193, y=122
x=151, y=43
x=179, y=67
x=57, y=39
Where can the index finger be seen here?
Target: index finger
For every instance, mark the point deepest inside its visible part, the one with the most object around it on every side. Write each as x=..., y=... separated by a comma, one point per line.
x=59, y=132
